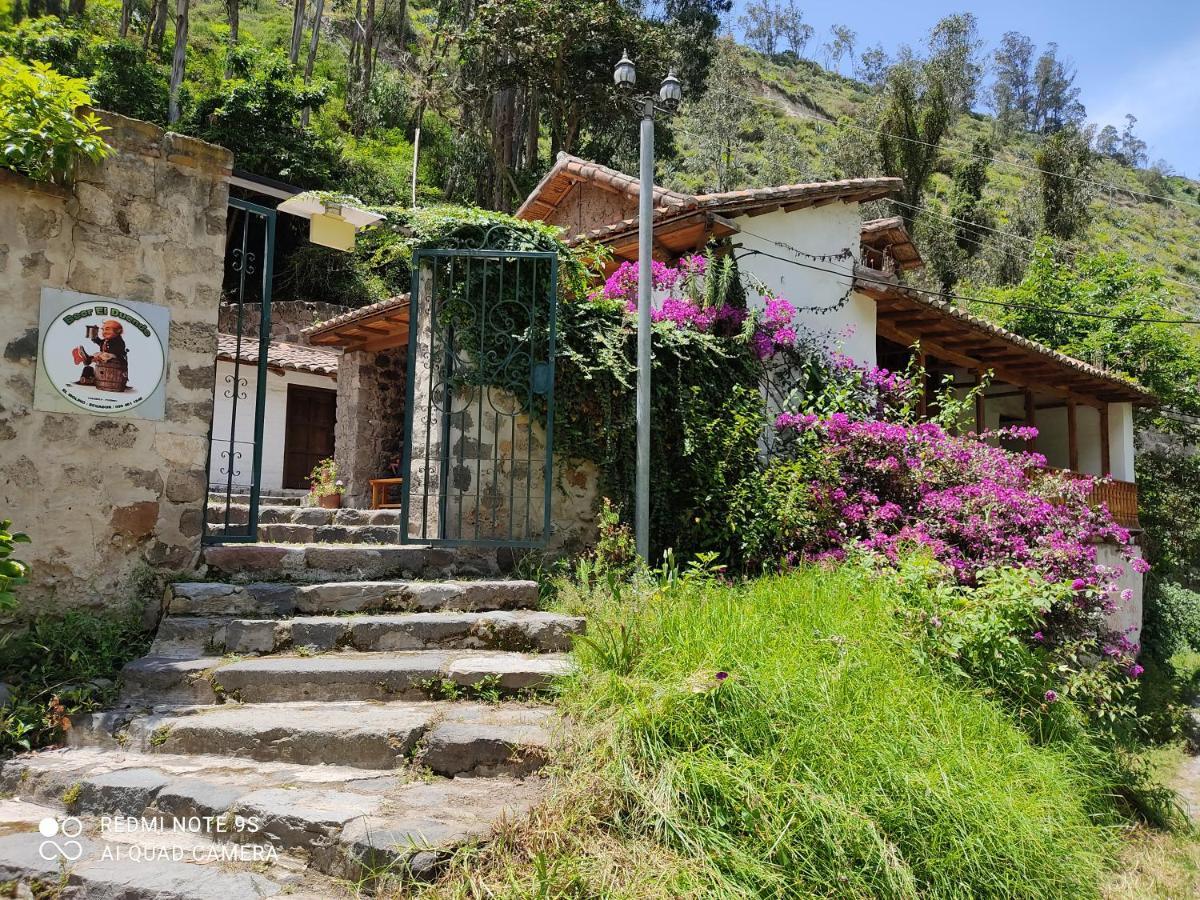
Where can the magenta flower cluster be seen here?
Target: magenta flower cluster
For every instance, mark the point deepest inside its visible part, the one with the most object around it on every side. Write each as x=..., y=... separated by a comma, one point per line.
x=775, y=329
x=681, y=311
x=973, y=505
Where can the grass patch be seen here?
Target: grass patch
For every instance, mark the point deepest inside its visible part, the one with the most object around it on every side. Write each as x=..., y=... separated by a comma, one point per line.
x=779, y=740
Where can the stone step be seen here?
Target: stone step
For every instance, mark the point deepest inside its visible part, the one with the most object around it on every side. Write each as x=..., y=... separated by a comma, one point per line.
x=293, y=533
x=274, y=514
x=289, y=498
x=333, y=562
x=401, y=675
x=446, y=738
x=279, y=600
x=347, y=820
x=521, y=630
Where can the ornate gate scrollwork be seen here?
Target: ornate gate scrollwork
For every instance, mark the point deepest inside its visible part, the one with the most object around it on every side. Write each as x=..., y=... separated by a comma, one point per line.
x=479, y=418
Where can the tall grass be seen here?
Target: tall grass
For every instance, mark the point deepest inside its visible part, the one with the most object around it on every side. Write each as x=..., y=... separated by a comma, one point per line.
x=780, y=740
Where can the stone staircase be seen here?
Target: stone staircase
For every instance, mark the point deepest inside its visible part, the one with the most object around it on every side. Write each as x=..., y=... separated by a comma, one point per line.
x=361, y=725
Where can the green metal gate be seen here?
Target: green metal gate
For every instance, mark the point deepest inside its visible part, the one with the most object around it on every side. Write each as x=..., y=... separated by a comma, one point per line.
x=479, y=436
x=239, y=396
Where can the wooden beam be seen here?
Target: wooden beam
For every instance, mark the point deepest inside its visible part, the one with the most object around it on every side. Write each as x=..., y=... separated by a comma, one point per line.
x=1072, y=438
x=1105, y=449
x=980, y=400
x=1031, y=416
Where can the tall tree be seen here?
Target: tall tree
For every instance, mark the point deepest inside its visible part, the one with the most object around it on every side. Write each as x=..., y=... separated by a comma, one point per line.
x=840, y=46
x=126, y=18
x=972, y=218
x=299, y=9
x=917, y=113
x=872, y=67
x=1065, y=159
x=233, y=17
x=1056, y=99
x=309, y=63
x=1133, y=148
x=761, y=26
x=792, y=27
x=178, y=60
x=720, y=152
x=954, y=47
x=157, y=27
x=1012, y=91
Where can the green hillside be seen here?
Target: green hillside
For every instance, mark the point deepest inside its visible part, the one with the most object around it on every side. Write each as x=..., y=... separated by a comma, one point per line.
x=787, y=113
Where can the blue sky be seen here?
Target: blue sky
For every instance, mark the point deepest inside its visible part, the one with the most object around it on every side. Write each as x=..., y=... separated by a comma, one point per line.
x=1141, y=56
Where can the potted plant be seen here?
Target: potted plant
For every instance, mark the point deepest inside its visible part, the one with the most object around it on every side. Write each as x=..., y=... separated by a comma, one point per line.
x=326, y=487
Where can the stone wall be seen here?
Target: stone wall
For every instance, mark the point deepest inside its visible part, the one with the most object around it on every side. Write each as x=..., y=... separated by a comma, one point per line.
x=288, y=318
x=369, y=434
x=98, y=496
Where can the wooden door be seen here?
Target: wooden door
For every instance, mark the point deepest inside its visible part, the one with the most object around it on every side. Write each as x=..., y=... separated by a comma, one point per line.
x=308, y=435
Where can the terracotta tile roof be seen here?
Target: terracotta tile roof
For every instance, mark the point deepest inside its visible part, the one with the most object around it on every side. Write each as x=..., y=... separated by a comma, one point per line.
x=1086, y=378
x=569, y=170
x=363, y=312
x=891, y=236
x=280, y=354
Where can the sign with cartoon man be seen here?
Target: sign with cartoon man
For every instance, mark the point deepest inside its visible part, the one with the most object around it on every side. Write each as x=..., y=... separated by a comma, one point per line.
x=102, y=356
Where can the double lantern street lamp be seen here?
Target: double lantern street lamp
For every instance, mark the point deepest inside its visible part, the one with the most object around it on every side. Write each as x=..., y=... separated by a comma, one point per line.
x=670, y=92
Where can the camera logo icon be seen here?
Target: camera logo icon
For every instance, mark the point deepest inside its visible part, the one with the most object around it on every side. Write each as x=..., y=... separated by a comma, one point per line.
x=60, y=843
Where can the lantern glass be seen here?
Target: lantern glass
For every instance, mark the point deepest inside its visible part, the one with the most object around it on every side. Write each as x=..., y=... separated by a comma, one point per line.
x=624, y=73
x=670, y=91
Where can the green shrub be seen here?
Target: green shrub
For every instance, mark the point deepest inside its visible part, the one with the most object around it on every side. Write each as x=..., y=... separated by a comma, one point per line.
x=63, y=665
x=126, y=81
x=12, y=571
x=50, y=40
x=42, y=132
x=1172, y=620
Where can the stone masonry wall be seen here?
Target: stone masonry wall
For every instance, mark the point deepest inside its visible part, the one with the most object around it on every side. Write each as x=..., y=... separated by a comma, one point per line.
x=369, y=433
x=288, y=318
x=100, y=497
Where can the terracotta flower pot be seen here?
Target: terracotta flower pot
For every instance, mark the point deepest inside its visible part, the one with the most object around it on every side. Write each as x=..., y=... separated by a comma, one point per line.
x=330, y=501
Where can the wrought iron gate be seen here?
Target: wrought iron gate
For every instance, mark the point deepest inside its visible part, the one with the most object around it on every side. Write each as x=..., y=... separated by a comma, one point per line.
x=239, y=393
x=479, y=435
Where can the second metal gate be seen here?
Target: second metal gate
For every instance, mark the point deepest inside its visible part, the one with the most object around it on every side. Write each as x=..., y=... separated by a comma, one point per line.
x=479, y=435
x=240, y=390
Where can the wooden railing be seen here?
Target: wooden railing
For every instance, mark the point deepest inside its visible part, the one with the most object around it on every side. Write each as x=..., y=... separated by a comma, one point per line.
x=1121, y=497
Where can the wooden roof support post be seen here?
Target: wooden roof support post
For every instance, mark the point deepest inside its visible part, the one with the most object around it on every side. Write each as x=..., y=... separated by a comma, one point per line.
x=1031, y=417
x=1072, y=438
x=923, y=402
x=1105, y=450
x=980, y=413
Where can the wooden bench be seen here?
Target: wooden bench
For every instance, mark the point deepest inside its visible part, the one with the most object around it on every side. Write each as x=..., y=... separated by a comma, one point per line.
x=379, y=492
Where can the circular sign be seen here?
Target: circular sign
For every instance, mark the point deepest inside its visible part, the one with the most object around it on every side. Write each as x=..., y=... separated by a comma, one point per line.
x=102, y=357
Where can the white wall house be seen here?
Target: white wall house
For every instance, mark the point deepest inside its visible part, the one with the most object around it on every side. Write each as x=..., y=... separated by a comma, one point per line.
x=298, y=418
x=807, y=243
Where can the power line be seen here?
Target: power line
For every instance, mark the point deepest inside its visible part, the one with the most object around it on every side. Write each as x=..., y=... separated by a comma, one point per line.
x=945, y=295
x=1020, y=237
x=1002, y=162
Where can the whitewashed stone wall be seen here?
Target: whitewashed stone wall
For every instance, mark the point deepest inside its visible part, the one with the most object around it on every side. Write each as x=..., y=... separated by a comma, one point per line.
x=99, y=496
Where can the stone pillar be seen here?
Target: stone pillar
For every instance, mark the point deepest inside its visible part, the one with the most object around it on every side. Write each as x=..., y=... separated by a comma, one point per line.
x=370, y=419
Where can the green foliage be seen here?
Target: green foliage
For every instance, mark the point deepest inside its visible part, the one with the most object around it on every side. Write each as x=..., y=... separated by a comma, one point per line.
x=127, y=81
x=1065, y=159
x=12, y=571
x=42, y=132
x=61, y=666
x=781, y=738
x=50, y=40
x=257, y=116
x=1163, y=357
x=324, y=479
x=1168, y=497
x=1172, y=620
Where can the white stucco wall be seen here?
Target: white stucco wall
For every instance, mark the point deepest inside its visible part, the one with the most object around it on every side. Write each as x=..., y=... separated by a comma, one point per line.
x=821, y=230
x=274, y=420
x=1120, y=441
